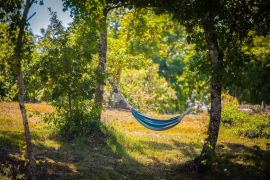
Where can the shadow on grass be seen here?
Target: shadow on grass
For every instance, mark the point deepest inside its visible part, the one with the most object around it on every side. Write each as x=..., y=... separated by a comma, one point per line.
x=188, y=150
x=109, y=159
x=13, y=164
x=240, y=161
x=11, y=139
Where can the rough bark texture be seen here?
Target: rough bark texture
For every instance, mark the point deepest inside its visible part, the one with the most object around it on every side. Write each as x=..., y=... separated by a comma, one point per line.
x=102, y=64
x=215, y=56
x=21, y=90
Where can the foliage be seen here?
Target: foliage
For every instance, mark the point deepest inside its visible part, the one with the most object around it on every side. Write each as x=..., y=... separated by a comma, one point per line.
x=119, y=59
x=250, y=85
x=229, y=100
x=8, y=86
x=164, y=41
x=65, y=71
x=8, y=89
x=147, y=91
x=82, y=121
x=246, y=124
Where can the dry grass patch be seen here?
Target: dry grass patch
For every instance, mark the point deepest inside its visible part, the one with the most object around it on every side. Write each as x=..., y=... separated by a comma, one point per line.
x=129, y=150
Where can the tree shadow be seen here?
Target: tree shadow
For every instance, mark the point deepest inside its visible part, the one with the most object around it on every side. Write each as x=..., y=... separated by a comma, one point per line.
x=14, y=164
x=11, y=139
x=10, y=165
x=188, y=150
x=243, y=161
x=110, y=160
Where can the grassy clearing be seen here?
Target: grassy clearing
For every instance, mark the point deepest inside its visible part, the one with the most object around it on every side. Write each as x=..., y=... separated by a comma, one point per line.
x=129, y=151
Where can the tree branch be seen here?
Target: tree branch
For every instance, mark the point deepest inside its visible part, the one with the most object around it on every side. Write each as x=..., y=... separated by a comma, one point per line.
x=108, y=8
x=32, y=2
x=31, y=16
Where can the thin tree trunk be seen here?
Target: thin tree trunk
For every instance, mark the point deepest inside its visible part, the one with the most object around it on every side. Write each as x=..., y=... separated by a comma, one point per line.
x=117, y=80
x=102, y=64
x=263, y=105
x=28, y=139
x=21, y=90
x=215, y=56
x=69, y=105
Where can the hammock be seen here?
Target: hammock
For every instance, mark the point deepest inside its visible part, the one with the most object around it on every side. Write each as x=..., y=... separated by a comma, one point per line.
x=155, y=124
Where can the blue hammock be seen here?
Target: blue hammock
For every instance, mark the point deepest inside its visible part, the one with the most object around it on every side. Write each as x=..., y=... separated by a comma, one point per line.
x=155, y=124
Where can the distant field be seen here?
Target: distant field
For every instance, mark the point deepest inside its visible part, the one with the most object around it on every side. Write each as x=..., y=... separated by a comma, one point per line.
x=130, y=151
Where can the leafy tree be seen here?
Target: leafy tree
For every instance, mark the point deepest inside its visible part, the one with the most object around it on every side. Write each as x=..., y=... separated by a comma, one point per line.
x=96, y=12
x=135, y=75
x=146, y=90
x=119, y=58
x=21, y=24
x=118, y=61
x=8, y=88
x=9, y=20
x=66, y=71
x=225, y=25
x=163, y=40
x=251, y=85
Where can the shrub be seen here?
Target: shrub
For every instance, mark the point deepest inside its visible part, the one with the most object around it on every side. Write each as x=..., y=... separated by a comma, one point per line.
x=256, y=126
x=229, y=115
x=81, y=122
x=251, y=126
x=229, y=100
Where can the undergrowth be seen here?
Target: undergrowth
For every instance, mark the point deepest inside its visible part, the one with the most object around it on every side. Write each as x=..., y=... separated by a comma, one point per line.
x=244, y=123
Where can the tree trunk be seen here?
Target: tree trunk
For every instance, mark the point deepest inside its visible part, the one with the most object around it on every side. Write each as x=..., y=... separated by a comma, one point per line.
x=102, y=64
x=69, y=106
x=117, y=80
x=29, y=148
x=215, y=56
x=263, y=106
x=21, y=90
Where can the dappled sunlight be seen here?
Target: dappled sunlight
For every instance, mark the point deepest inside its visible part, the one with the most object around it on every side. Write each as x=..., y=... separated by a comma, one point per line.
x=176, y=145
x=135, y=89
x=129, y=147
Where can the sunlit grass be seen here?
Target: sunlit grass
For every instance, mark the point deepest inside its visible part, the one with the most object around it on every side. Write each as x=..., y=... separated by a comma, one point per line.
x=131, y=149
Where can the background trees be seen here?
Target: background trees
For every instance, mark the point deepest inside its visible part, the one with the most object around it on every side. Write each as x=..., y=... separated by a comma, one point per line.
x=141, y=34
x=67, y=73
x=7, y=79
x=225, y=26
x=250, y=85
x=158, y=55
x=97, y=12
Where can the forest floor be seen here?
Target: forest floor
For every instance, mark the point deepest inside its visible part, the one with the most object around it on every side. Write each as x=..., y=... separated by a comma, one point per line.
x=129, y=152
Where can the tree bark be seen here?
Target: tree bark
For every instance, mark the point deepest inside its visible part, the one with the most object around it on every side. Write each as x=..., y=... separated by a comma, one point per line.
x=21, y=90
x=117, y=80
x=69, y=106
x=216, y=57
x=102, y=64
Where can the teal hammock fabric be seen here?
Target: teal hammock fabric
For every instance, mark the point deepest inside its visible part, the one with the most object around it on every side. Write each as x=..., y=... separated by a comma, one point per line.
x=155, y=124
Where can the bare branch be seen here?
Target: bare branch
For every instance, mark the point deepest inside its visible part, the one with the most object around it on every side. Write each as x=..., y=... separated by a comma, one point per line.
x=31, y=16
x=32, y=2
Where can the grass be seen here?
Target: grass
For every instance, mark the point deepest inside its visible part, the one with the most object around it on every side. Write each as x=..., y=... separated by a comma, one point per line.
x=129, y=151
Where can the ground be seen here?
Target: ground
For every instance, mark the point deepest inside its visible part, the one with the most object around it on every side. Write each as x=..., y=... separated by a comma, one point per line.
x=129, y=152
